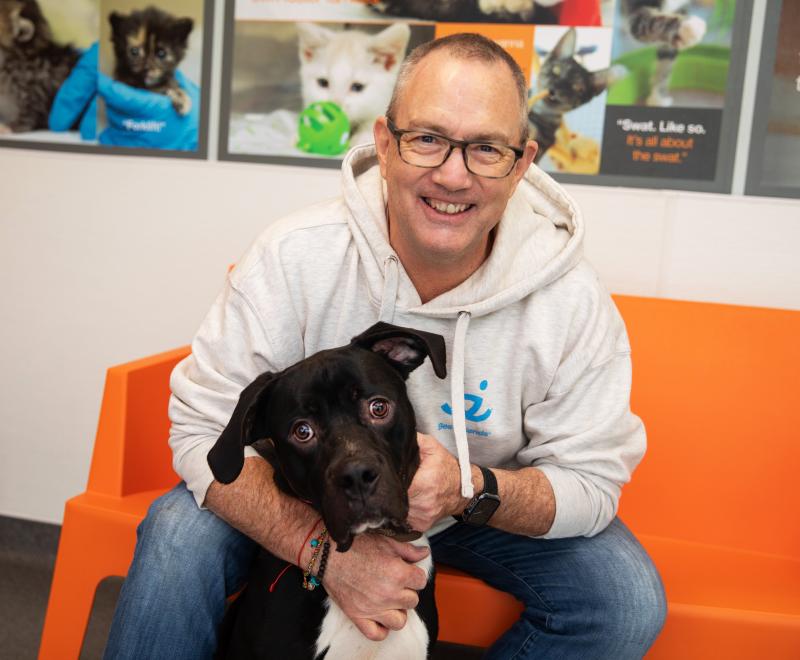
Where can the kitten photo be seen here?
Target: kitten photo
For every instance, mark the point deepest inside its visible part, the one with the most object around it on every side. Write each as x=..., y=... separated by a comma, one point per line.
x=32, y=66
x=149, y=44
x=668, y=25
x=353, y=69
x=493, y=11
x=564, y=84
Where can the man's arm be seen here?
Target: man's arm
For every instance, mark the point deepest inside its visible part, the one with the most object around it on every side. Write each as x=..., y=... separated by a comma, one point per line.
x=373, y=582
x=528, y=505
x=583, y=444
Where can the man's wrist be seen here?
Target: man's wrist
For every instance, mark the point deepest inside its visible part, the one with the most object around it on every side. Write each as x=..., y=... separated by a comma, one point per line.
x=460, y=502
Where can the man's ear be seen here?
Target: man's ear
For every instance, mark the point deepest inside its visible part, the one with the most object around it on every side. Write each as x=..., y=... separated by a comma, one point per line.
x=404, y=348
x=226, y=457
x=531, y=148
x=384, y=140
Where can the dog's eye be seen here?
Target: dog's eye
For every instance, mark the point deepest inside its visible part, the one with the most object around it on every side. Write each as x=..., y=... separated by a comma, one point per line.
x=379, y=408
x=302, y=431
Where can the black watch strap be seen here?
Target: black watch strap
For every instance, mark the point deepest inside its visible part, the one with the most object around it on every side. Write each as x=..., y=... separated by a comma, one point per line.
x=481, y=507
x=489, y=480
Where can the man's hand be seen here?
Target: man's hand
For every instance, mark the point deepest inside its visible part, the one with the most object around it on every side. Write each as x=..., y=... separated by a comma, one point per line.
x=375, y=582
x=435, y=491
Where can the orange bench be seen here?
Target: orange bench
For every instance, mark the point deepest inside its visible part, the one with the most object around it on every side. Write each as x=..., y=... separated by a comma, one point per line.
x=719, y=389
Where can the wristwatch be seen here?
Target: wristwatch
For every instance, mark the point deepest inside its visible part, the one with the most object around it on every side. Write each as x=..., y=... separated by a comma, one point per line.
x=482, y=506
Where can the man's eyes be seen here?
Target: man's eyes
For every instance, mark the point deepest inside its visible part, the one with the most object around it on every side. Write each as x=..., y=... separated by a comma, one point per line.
x=426, y=140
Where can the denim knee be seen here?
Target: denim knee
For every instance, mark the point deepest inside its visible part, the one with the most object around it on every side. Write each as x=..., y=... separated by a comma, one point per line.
x=187, y=561
x=622, y=605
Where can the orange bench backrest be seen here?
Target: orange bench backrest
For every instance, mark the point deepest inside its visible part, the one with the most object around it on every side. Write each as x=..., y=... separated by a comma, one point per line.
x=718, y=387
x=131, y=453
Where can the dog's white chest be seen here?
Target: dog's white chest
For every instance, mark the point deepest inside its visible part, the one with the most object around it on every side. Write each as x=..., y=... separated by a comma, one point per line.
x=345, y=642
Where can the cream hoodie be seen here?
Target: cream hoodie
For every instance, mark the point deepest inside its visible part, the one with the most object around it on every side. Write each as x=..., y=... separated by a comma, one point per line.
x=539, y=366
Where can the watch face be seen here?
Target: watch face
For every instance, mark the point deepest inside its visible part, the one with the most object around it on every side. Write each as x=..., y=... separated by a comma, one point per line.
x=483, y=509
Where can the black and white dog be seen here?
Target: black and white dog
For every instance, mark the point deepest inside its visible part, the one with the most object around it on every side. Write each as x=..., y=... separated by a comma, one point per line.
x=340, y=434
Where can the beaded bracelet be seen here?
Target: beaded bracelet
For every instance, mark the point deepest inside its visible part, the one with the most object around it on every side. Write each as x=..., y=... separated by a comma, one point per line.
x=311, y=582
x=323, y=562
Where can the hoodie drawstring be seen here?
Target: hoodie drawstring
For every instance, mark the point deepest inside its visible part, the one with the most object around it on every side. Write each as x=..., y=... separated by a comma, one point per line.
x=391, y=278
x=457, y=398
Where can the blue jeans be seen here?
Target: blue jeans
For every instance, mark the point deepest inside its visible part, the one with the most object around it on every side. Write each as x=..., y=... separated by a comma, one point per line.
x=585, y=598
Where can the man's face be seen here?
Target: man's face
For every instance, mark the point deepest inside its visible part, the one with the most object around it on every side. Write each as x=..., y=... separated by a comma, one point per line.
x=463, y=100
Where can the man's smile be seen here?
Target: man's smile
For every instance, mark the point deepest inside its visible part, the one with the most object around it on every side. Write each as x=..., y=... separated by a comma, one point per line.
x=446, y=208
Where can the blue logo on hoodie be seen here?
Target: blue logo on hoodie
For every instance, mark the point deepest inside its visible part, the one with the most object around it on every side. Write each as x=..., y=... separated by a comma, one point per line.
x=473, y=413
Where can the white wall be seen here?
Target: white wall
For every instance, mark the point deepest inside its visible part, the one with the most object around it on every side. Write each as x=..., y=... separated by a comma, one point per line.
x=106, y=259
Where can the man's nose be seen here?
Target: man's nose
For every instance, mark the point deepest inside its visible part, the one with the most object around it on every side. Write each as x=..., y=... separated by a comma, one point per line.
x=453, y=173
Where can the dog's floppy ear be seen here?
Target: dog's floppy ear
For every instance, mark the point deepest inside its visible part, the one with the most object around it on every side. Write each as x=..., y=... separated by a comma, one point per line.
x=226, y=457
x=405, y=348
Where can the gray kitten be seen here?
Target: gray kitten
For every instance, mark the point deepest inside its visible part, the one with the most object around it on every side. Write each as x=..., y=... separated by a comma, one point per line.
x=568, y=85
x=32, y=66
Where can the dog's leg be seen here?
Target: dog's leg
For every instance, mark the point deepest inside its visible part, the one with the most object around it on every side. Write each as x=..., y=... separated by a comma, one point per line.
x=345, y=642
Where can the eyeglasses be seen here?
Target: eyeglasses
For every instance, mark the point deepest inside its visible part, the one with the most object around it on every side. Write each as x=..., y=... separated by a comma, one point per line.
x=486, y=159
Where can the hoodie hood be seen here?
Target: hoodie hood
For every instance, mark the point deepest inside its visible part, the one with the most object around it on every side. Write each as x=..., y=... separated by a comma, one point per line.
x=537, y=240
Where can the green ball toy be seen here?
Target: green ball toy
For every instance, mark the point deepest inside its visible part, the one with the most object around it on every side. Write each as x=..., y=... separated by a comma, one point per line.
x=323, y=128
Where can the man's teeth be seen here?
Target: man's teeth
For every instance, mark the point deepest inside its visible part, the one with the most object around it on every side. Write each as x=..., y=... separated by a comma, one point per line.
x=446, y=207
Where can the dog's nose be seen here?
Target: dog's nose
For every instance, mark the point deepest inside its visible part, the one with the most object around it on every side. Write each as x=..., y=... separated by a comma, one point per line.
x=358, y=480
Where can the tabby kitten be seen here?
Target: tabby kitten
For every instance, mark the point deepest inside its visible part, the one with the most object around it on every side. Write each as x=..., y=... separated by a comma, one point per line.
x=569, y=85
x=669, y=26
x=149, y=44
x=32, y=66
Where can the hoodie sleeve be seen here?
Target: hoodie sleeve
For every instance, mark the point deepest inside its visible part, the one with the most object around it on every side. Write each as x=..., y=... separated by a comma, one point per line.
x=233, y=345
x=583, y=436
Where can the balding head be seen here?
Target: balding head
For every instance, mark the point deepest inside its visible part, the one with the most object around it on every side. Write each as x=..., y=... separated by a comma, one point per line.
x=466, y=46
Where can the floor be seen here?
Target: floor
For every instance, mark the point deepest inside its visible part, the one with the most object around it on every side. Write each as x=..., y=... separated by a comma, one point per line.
x=27, y=555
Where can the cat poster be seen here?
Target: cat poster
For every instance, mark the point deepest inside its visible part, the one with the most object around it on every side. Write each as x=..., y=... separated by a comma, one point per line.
x=112, y=76
x=623, y=92
x=671, y=113
x=291, y=67
x=774, y=163
x=306, y=91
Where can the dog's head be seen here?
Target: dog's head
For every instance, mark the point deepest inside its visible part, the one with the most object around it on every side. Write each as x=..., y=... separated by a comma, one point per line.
x=338, y=429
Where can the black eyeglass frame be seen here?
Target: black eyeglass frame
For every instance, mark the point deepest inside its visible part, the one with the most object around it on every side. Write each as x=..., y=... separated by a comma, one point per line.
x=462, y=144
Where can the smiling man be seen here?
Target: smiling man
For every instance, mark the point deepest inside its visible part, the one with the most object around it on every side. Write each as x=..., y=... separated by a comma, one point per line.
x=445, y=226
x=442, y=210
